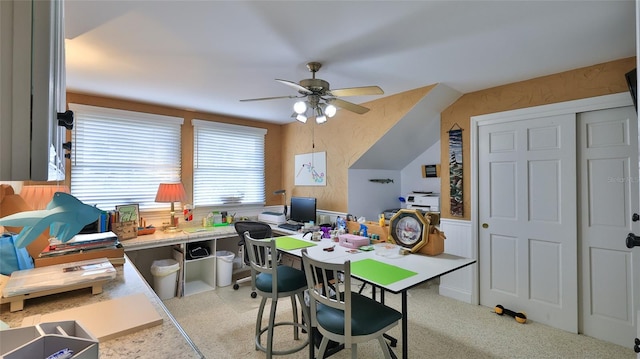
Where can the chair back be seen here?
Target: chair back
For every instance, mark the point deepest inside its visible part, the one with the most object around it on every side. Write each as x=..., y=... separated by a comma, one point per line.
x=335, y=293
x=257, y=230
x=263, y=258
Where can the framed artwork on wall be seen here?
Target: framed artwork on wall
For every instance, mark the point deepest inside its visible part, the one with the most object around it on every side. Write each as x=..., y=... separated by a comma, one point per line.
x=310, y=169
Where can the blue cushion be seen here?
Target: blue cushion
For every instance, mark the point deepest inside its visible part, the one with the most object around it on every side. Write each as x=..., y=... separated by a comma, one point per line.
x=289, y=279
x=367, y=316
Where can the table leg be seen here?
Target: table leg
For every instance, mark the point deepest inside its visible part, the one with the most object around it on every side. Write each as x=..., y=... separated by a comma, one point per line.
x=405, y=339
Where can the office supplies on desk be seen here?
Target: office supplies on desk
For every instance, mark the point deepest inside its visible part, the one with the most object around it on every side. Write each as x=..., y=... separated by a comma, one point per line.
x=290, y=243
x=290, y=226
x=352, y=241
x=380, y=272
x=272, y=217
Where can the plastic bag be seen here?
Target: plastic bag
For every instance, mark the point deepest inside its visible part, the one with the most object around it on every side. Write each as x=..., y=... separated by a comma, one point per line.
x=11, y=257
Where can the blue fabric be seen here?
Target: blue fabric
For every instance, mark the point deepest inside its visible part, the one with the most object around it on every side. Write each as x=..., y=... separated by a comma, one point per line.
x=11, y=257
x=367, y=316
x=289, y=279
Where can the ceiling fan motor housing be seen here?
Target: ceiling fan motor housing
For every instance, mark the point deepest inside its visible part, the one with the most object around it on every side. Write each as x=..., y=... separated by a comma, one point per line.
x=317, y=86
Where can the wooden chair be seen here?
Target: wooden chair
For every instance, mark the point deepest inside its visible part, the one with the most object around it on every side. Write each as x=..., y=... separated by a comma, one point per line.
x=273, y=281
x=342, y=315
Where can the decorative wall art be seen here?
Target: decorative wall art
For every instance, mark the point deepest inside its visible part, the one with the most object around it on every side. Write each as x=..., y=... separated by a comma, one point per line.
x=310, y=169
x=455, y=171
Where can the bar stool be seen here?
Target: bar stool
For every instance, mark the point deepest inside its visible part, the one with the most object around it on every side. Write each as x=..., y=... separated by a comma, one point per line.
x=273, y=281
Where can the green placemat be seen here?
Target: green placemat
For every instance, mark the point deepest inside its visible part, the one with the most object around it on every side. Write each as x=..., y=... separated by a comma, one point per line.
x=290, y=243
x=382, y=273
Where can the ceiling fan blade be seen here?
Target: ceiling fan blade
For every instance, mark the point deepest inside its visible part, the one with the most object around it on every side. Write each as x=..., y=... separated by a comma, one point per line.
x=350, y=106
x=267, y=98
x=357, y=91
x=299, y=88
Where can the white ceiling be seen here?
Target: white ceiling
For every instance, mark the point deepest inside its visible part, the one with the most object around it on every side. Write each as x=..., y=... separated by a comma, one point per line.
x=207, y=55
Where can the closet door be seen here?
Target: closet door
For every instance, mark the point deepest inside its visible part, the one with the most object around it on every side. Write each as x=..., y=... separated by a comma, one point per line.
x=608, y=182
x=527, y=218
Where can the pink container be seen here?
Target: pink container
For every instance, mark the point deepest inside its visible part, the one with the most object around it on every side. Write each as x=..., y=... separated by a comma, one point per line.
x=353, y=241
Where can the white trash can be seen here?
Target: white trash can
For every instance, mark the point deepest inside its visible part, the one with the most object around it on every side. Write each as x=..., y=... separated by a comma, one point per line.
x=165, y=275
x=224, y=267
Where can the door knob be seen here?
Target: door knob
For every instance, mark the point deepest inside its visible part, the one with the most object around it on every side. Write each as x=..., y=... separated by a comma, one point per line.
x=632, y=240
x=485, y=225
x=635, y=217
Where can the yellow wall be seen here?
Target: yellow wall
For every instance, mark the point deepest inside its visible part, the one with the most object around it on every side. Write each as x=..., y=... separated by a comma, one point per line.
x=598, y=80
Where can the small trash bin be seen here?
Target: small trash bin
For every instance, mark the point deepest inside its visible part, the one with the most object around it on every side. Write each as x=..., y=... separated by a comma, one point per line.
x=165, y=275
x=224, y=267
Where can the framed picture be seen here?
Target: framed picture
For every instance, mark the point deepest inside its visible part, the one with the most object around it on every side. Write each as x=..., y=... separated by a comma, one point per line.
x=410, y=229
x=128, y=213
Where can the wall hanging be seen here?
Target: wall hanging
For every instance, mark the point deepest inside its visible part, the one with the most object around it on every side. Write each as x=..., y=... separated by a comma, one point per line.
x=455, y=171
x=310, y=169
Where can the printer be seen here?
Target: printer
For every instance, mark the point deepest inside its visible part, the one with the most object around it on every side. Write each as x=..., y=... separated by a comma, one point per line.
x=425, y=201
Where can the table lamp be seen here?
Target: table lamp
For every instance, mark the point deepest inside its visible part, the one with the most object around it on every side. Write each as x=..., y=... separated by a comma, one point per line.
x=171, y=192
x=284, y=194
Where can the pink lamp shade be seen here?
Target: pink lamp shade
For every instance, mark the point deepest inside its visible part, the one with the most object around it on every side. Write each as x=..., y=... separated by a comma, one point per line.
x=171, y=192
x=38, y=196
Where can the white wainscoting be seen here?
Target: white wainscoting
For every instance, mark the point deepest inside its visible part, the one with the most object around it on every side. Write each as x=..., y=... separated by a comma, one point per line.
x=459, y=284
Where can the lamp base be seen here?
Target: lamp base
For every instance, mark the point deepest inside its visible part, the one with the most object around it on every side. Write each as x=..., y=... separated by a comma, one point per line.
x=171, y=229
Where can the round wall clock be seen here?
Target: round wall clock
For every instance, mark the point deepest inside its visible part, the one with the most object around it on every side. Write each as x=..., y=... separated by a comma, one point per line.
x=410, y=229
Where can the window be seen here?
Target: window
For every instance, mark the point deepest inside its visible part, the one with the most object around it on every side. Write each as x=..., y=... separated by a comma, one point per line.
x=120, y=157
x=228, y=164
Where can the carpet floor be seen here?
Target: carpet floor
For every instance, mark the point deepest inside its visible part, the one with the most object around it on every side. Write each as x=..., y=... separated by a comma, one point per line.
x=222, y=323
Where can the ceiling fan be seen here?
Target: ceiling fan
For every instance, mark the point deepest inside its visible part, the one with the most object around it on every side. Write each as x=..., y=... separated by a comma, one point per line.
x=321, y=101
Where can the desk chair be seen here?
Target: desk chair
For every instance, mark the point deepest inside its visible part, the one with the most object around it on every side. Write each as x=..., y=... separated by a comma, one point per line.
x=273, y=281
x=257, y=230
x=342, y=315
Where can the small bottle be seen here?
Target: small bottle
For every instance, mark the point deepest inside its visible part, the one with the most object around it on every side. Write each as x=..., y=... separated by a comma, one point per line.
x=381, y=220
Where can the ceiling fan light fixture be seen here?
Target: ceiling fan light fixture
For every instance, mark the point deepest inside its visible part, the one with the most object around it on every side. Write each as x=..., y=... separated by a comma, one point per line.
x=300, y=107
x=302, y=118
x=321, y=119
x=330, y=110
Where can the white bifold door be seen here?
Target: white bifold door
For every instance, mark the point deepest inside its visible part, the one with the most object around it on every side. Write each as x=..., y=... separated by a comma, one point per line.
x=556, y=198
x=527, y=215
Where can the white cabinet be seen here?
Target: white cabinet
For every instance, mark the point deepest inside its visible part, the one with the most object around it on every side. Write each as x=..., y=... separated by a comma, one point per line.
x=32, y=90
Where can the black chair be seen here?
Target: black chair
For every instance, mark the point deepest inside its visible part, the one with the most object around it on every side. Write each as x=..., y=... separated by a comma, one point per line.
x=257, y=230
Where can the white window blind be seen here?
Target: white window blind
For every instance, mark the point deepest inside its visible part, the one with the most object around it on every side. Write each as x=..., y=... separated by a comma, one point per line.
x=228, y=164
x=120, y=157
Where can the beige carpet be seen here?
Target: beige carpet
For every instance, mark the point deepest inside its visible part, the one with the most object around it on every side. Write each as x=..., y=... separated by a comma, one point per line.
x=221, y=323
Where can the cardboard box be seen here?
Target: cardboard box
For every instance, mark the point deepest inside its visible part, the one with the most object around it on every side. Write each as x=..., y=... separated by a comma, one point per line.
x=115, y=255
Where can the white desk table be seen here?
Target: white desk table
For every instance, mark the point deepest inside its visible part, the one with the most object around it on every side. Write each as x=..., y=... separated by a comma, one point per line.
x=425, y=267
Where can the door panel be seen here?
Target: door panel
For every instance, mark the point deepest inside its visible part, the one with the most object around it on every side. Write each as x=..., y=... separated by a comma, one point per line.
x=608, y=198
x=527, y=199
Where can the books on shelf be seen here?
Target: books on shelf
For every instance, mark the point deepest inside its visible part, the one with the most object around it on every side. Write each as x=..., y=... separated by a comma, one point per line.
x=82, y=243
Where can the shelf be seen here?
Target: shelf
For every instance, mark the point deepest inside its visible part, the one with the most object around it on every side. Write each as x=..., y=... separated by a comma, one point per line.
x=199, y=259
x=196, y=286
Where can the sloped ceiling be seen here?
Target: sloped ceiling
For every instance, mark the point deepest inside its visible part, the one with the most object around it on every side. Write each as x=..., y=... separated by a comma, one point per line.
x=418, y=130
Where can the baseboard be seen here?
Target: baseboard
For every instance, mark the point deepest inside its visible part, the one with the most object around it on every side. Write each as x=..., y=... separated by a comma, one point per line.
x=455, y=293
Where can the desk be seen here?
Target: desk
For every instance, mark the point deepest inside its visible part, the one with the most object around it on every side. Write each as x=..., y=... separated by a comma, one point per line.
x=167, y=340
x=425, y=267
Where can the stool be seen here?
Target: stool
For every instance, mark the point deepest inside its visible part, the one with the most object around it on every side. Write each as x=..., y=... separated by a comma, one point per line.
x=273, y=281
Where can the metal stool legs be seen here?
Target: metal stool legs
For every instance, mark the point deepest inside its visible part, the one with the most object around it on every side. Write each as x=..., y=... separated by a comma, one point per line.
x=268, y=346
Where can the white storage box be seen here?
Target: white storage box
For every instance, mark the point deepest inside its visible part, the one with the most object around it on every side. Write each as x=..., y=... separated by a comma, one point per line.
x=44, y=339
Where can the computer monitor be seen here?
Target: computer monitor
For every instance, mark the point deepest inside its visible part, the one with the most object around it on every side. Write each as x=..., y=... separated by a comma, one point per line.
x=303, y=209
